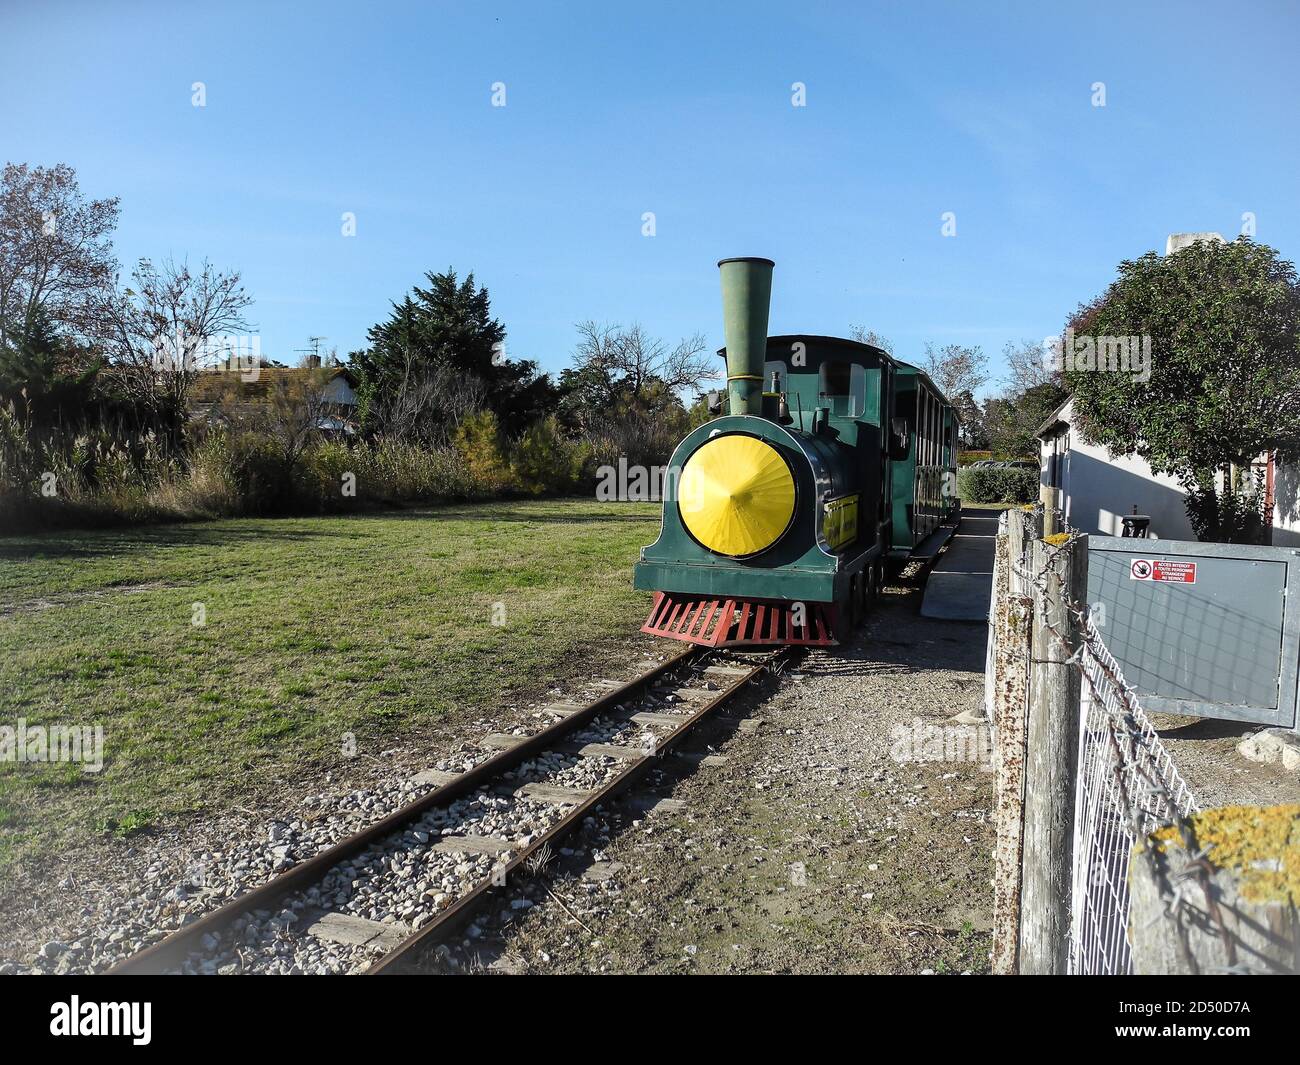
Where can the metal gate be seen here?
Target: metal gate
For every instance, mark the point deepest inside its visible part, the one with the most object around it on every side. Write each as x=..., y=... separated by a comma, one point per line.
x=1209, y=630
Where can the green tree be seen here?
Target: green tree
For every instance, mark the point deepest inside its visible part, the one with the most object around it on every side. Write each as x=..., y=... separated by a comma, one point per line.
x=43, y=376
x=1013, y=419
x=545, y=460
x=698, y=413
x=446, y=327
x=482, y=445
x=972, y=428
x=1223, y=387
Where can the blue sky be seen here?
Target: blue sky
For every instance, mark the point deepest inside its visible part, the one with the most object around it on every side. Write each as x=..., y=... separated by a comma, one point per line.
x=684, y=110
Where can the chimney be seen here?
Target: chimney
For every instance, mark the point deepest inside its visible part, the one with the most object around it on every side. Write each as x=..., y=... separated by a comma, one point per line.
x=746, y=296
x=1176, y=242
x=313, y=362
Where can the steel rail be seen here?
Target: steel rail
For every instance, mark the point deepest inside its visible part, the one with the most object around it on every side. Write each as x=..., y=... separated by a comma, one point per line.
x=455, y=915
x=174, y=948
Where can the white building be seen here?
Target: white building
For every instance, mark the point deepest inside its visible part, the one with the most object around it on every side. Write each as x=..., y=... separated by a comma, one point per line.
x=1094, y=490
x=1285, y=487
x=219, y=394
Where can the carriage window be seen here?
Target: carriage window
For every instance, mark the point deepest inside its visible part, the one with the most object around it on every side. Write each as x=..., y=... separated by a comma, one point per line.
x=929, y=430
x=934, y=431
x=937, y=456
x=905, y=407
x=940, y=432
x=919, y=431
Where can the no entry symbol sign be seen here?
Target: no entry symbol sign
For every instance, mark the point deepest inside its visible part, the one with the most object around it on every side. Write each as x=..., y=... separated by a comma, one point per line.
x=1156, y=569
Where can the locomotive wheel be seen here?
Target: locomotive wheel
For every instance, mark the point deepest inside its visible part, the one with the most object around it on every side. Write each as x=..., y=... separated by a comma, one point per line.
x=855, y=601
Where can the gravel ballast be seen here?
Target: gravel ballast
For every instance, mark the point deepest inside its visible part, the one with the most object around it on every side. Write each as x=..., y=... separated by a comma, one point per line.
x=818, y=830
x=401, y=882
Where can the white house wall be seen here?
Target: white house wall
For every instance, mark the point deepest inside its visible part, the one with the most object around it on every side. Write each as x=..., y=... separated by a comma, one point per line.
x=339, y=391
x=1098, y=490
x=1286, y=504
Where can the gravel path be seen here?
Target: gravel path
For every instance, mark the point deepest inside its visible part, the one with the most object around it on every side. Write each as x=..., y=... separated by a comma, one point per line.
x=1205, y=752
x=848, y=832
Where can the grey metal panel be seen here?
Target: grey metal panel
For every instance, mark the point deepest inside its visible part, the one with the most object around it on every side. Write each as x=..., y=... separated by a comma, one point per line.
x=1225, y=646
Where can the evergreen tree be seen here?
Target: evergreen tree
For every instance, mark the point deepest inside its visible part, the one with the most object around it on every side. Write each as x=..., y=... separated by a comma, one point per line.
x=449, y=326
x=41, y=376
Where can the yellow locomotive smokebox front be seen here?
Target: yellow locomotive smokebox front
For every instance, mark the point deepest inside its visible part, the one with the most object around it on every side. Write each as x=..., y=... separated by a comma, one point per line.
x=736, y=495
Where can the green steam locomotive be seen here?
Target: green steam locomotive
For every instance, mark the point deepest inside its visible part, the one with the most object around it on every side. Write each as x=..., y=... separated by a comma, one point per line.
x=779, y=517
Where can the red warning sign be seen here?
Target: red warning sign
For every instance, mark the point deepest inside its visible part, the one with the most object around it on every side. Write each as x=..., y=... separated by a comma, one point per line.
x=1155, y=569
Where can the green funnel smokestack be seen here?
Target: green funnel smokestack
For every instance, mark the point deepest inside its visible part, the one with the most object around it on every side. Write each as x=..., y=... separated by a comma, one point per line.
x=746, y=297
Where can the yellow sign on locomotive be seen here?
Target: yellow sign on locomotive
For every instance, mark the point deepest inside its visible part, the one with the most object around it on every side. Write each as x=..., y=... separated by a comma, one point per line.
x=840, y=522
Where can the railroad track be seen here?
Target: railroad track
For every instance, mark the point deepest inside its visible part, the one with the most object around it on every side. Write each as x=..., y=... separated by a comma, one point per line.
x=612, y=742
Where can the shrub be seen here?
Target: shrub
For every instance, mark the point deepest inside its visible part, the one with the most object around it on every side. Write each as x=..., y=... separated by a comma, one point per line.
x=544, y=460
x=321, y=477
x=211, y=485
x=479, y=441
x=997, y=484
x=103, y=478
x=394, y=471
x=262, y=481
x=89, y=476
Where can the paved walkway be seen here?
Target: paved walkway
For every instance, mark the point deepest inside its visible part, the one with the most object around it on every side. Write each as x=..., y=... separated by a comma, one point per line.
x=961, y=583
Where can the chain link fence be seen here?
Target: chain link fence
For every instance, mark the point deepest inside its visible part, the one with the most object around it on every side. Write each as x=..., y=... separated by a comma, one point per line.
x=1125, y=784
x=1128, y=786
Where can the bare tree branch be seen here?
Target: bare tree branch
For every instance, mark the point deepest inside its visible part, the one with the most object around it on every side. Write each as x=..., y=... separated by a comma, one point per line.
x=159, y=331
x=1029, y=366
x=632, y=360
x=56, y=250
x=955, y=369
x=863, y=335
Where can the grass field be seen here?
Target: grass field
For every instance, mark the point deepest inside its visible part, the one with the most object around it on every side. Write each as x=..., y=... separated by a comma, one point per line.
x=313, y=628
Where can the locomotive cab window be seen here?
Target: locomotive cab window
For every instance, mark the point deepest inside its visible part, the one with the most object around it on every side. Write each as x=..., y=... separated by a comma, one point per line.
x=835, y=379
x=843, y=385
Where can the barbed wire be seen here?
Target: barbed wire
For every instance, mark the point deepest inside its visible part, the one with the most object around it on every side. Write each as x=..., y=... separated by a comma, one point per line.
x=1124, y=737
